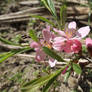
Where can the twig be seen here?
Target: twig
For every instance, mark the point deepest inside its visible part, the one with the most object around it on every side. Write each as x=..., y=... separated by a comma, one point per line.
x=6, y=46
x=58, y=63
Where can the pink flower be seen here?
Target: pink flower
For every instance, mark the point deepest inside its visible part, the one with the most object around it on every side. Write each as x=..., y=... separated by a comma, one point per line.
x=48, y=36
x=40, y=55
x=71, y=33
x=68, y=46
x=46, y=41
x=52, y=62
x=73, y=46
x=68, y=40
x=89, y=45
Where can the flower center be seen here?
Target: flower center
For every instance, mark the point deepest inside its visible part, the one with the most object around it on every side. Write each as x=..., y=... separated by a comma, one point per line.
x=49, y=45
x=70, y=33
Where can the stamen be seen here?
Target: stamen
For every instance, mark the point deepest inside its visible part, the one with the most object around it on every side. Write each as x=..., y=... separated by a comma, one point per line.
x=47, y=44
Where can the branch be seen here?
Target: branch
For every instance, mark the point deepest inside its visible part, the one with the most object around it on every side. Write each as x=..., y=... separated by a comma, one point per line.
x=6, y=46
x=46, y=62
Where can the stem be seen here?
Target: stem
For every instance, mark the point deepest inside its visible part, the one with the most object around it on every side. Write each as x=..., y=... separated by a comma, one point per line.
x=58, y=24
x=87, y=59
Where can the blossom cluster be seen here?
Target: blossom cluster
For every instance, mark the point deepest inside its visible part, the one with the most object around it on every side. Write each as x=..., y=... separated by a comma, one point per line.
x=69, y=41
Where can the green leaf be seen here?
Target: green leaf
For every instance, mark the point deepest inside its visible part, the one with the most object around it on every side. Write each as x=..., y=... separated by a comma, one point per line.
x=44, y=19
x=33, y=85
x=50, y=82
x=45, y=4
x=33, y=35
x=77, y=68
x=84, y=48
x=63, y=15
x=36, y=83
x=67, y=74
x=53, y=54
x=50, y=6
x=5, y=56
x=7, y=41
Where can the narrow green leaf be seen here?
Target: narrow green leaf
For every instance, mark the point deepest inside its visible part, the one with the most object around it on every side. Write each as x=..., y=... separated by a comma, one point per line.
x=33, y=35
x=36, y=83
x=44, y=19
x=77, y=68
x=52, y=7
x=63, y=15
x=45, y=4
x=67, y=74
x=50, y=82
x=7, y=41
x=53, y=54
x=5, y=56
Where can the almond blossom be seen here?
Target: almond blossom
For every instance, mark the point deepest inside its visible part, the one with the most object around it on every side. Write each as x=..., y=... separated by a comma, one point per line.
x=45, y=41
x=69, y=40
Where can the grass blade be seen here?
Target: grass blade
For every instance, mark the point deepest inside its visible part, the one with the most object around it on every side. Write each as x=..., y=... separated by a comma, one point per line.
x=63, y=15
x=36, y=83
x=5, y=56
x=7, y=41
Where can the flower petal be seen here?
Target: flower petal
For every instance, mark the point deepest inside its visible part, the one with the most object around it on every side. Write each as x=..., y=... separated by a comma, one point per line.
x=59, y=39
x=61, y=33
x=88, y=41
x=52, y=62
x=35, y=45
x=58, y=43
x=84, y=31
x=76, y=46
x=67, y=47
x=72, y=25
x=73, y=46
x=40, y=55
x=46, y=35
x=89, y=45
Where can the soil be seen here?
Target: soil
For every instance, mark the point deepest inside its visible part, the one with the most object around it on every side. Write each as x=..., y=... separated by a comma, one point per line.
x=16, y=70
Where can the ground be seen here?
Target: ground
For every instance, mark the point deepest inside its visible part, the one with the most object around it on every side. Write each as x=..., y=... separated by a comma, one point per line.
x=16, y=70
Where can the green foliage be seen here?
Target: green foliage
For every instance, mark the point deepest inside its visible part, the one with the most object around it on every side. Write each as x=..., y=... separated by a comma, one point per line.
x=53, y=54
x=84, y=49
x=50, y=82
x=44, y=19
x=91, y=89
x=36, y=83
x=77, y=68
x=16, y=39
x=11, y=53
x=67, y=74
x=7, y=41
x=50, y=6
x=33, y=35
x=63, y=15
x=17, y=77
